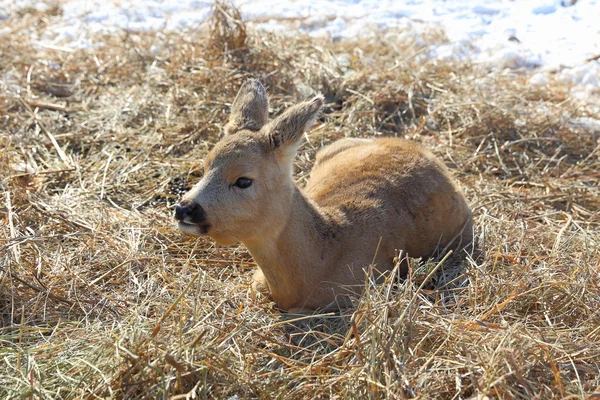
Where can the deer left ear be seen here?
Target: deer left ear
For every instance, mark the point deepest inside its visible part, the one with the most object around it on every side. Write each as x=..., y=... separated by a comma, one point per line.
x=285, y=132
x=250, y=109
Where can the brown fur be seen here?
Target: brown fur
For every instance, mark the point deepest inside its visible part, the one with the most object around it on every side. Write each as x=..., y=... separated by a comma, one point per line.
x=313, y=245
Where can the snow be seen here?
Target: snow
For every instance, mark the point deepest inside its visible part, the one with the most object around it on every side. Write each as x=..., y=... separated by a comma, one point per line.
x=545, y=35
x=538, y=79
x=588, y=124
x=544, y=9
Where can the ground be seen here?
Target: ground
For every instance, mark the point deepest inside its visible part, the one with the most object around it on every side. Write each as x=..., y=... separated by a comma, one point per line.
x=101, y=296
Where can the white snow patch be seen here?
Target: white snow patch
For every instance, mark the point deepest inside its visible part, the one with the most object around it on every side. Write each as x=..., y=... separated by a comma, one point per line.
x=485, y=10
x=544, y=9
x=591, y=125
x=539, y=79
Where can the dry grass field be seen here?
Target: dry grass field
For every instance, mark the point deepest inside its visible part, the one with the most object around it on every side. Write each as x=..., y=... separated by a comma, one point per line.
x=102, y=297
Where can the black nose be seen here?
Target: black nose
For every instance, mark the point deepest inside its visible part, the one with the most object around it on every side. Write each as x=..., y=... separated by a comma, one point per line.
x=191, y=212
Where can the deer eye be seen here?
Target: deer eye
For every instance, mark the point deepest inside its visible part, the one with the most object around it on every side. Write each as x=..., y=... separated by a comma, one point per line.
x=243, y=183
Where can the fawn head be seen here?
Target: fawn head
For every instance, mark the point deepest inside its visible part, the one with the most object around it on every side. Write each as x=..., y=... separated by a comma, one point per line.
x=247, y=187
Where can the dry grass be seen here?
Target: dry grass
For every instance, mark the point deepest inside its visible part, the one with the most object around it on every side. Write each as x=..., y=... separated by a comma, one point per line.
x=101, y=297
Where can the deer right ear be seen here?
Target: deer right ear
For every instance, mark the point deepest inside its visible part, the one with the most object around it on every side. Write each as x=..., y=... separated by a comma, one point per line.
x=250, y=109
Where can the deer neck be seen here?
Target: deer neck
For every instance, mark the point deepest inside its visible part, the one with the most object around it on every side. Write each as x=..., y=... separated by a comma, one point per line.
x=290, y=255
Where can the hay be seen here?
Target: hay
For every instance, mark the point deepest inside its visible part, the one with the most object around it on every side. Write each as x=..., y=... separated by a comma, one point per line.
x=100, y=296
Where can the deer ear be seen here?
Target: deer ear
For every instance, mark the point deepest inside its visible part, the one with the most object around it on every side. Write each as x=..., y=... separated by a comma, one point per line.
x=250, y=109
x=285, y=132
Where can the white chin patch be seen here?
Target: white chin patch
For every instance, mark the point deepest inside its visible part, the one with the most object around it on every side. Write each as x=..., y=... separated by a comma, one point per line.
x=190, y=229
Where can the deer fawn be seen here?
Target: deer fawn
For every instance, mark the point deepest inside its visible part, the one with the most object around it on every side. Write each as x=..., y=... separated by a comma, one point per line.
x=366, y=199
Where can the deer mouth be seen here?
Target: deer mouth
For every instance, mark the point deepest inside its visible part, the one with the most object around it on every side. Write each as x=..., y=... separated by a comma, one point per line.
x=193, y=228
